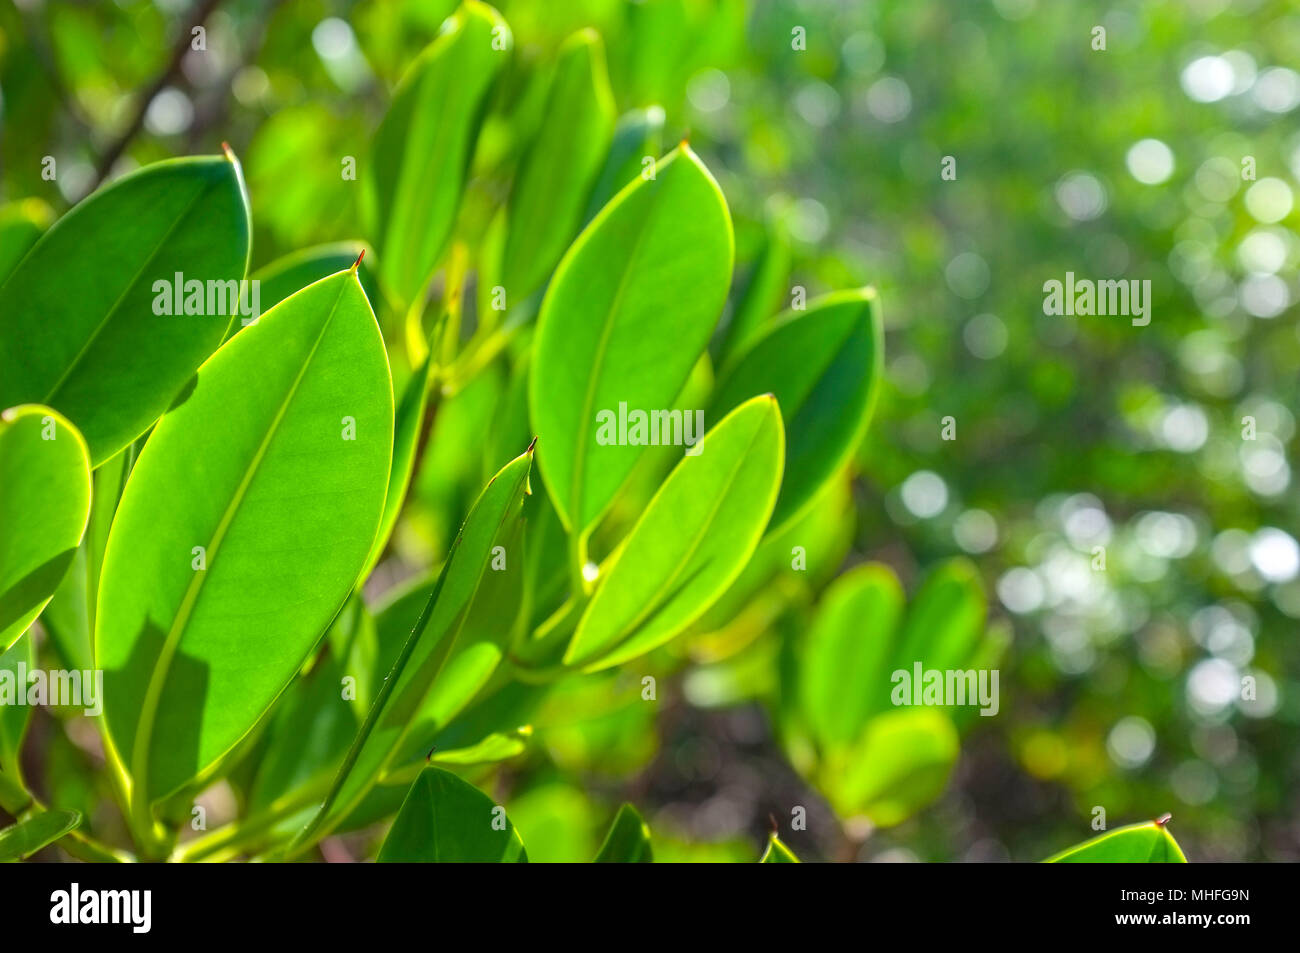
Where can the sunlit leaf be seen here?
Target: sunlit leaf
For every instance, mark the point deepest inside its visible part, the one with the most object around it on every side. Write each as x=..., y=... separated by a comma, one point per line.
x=44, y=508
x=690, y=544
x=250, y=511
x=626, y=316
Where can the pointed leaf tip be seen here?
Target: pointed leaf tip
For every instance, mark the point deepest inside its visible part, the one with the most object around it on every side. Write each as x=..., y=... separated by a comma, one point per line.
x=357, y=264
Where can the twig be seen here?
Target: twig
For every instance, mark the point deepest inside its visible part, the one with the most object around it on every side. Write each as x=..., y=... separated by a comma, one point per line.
x=115, y=150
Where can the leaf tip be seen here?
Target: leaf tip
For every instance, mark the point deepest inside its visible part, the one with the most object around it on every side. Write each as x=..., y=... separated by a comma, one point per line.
x=532, y=444
x=229, y=152
x=357, y=264
x=1163, y=819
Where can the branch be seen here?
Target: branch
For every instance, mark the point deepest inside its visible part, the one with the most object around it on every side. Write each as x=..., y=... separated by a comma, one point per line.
x=114, y=151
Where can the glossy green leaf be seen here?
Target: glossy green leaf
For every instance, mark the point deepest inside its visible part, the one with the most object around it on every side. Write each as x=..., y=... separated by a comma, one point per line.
x=561, y=165
x=44, y=508
x=427, y=648
x=777, y=853
x=421, y=151
x=628, y=840
x=80, y=322
x=27, y=837
x=692, y=541
x=280, y=456
x=627, y=314
x=446, y=820
x=1149, y=843
x=822, y=364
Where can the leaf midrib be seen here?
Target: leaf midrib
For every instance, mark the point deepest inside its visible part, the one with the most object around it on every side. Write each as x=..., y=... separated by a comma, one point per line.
x=108, y=315
x=593, y=378
x=157, y=681
x=653, y=604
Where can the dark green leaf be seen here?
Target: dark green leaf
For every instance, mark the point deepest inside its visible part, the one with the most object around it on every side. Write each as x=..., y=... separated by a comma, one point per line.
x=445, y=820
x=628, y=840
x=822, y=365
x=80, y=322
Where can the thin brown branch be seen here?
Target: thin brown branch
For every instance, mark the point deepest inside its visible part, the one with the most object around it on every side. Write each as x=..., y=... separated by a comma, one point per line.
x=115, y=150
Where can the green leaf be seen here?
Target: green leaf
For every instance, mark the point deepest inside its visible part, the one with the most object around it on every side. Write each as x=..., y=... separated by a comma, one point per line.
x=945, y=621
x=27, y=837
x=280, y=454
x=487, y=630
x=628, y=840
x=860, y=636
x=70, y=617
x=14, y=718
x=421, y=151
x=899, y=764
x=765, y=289
x=446, y=820
x=777, y=853
x=637, y=136
x=873, y=758
x=21, y=224
x=626, y=316
x=310, y=733
x=1149, y=843
x=44, y=508
x=410, y=416
x=432, y=640
x=495, y=747
x=843, y=672
x=80, y=328
x=822, y=364
x=557, y=174
x=692, y=541
x=296, y=271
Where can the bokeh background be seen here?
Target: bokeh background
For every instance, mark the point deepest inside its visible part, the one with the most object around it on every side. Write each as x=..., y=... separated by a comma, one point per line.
x=1172, y=155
